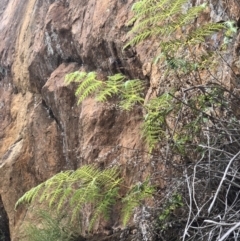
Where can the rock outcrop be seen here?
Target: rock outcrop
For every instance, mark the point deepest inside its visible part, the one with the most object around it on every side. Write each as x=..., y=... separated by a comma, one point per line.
x=42, y=130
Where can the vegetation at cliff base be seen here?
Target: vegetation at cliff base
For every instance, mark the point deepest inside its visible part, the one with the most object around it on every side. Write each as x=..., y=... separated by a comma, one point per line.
x=88, y=186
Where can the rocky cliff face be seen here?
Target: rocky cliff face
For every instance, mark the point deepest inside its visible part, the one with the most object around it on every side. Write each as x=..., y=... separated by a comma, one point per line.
x=42, y=130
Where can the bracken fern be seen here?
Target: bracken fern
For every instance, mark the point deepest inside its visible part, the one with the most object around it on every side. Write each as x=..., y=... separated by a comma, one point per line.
x=129, y=91
x=154, y=125
x=86, y=185
x=164, y=19
x=111, y=87
x=168, y=21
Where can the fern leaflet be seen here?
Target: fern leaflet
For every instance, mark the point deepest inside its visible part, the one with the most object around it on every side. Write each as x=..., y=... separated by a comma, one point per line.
x=75, y=77
x=154, y=123
x=112, y=86
x=103, y=208
x=199, y=35
x=135, y=196
x=132, y=94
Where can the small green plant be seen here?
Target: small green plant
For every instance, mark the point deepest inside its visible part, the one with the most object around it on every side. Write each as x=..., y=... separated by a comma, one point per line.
x=87, y=185
x=179, y=143
x=172, y=204
x=231, y=31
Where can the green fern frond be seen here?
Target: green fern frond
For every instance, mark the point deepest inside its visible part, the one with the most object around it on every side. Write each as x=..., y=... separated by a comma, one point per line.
x=67, y=191
x=104, y=206
x=152, y=132
x=77, y=200
x=175, y=8
x=56, y=194
x=128, y=210
x=95, y=86
x=155, y=14
x=132, y=94
x=86, y=185
x=51, y=228
x=171, y=47
x=110, y=178
x=29, y=196
x=111, y=87
x=87, y=194
x=145, y=8
x=93, y=184
x=164, y=19
x=139, y=38
x=145, y=11
x=130, y=90
x=86, y=173
x=52, y=184
x=75, y=77
x=154, y=123
x=199, y=35
x=147, y=23
x=191, y=14
x=134, y=197
x=139, y=7
x=88, y=86
x=127, y=104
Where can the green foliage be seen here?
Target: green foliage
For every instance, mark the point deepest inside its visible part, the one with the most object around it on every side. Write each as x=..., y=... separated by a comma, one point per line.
x=180, y=141
x=50, y=229
x=174, y=25
x=232, y=28
x=179, y=36
x=88, y=83
x=181, y=65
x=129, y=91
x=111, y=87
x=199, y=35
x=211, y=97
x=200, y=109
x=172, y=204
x=131, y=94
x=133, y=199
x=154, y=124
x=165, y=19
x=86, y=185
